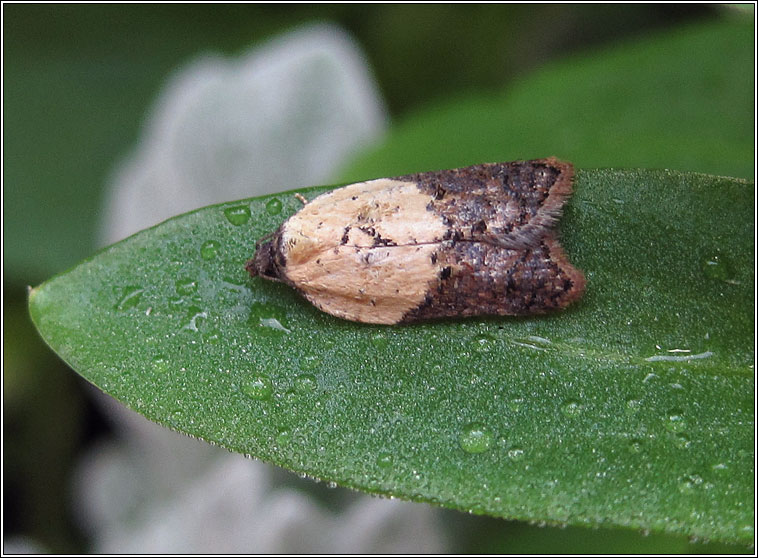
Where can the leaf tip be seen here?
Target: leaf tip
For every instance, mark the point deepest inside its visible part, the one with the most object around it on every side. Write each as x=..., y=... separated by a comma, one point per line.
x=32, y=294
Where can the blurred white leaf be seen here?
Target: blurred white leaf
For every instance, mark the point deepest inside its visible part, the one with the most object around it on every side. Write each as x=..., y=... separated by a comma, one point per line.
x=286, y=114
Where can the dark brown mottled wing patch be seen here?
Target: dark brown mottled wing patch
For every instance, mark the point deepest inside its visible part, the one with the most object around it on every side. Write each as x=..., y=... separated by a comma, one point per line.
x=477, y=278
x=501, y=255
x=508, y=204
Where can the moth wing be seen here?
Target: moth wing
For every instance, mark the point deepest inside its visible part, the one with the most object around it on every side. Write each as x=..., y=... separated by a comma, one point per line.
x=373, y=285
x=373, y=214
x=478, y=278
x=511, y=205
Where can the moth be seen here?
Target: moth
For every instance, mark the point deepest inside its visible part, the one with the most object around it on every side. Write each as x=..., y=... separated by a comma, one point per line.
x=472, y=241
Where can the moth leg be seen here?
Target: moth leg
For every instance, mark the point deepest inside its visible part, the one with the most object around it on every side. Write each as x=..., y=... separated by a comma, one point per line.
x=301, y=198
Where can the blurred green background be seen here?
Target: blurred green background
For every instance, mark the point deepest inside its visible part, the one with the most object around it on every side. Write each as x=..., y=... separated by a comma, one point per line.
x=78, y=83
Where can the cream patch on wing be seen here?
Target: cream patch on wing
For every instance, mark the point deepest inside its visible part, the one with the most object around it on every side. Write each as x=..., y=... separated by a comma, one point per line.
x=379, y=212
x=373, y=285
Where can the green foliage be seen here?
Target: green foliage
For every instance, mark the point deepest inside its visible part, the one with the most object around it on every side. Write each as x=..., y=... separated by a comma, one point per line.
x=633, y=408
x=681, y=101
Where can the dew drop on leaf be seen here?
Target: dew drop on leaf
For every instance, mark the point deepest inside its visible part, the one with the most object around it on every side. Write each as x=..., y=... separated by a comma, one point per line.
x=258, y=387
x=238, y=214
x=160, y=363
x=197, y=317
x=533, y=342
x=274, y=207
x=267, y=319
x=186, y=287
x=515, y=453
x=310, y=362
x=682, y=441
x=384, y=460
x=633, y=406
x=475, y=437
x=716, y=267
x=483, y=343
x=635, y=445
x=380, y=340
x=130, y=297
x=305, y=383
x=690, y=483
x=212, y=337
x=676, y=421
x=572, y=408
x=283, y=437
x=515, y=404
x=209, y=250
x=720, y=467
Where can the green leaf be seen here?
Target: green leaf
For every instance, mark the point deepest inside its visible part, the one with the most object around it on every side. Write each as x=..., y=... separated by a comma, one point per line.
x=632, y=408
x=682, y=100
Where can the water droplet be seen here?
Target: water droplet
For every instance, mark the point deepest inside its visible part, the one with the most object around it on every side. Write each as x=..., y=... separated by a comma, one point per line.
x=718, y=268
x=197, y=318
x=635, y=445
x=305, y=383
x=484, y=343
x=534, y=342
x=475, y=437
x=186, y=287
x=130, y=297
x=274, y=324
x=682, y=441
x=284, y=437
x=274, y=207
x=238, y=214
x=676, y=421
x=212, y=337
x=160, y=364
x=267, y=319
x=515, y=453
x=720, y=468
x=310, y=362
x=678, y=357
x=515, y=404
x=380, y=340
x=572, y=408
x=209, y=250
x=633, y=406
x=384, y=460
x=690, y=483
x=258, y=387
x=176, y=417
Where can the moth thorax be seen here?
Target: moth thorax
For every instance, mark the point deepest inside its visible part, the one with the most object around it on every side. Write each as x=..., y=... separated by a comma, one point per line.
x=264, y=262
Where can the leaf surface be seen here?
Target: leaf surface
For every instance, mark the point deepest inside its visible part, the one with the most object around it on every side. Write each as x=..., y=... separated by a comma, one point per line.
x=632, y=408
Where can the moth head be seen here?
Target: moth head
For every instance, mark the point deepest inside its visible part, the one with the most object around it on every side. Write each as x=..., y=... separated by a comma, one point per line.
x=264, y=262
